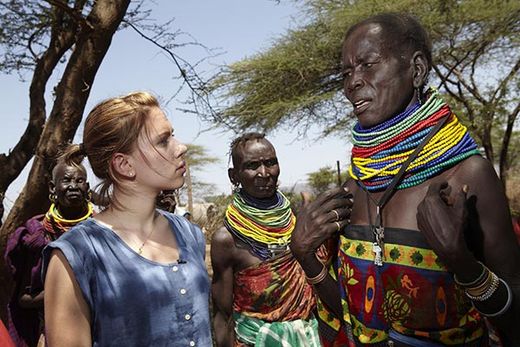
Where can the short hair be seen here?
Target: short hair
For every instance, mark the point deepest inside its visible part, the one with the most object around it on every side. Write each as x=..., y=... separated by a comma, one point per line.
x=75, y=161
x=404, y=30
x=113, y=126
x=239, y=143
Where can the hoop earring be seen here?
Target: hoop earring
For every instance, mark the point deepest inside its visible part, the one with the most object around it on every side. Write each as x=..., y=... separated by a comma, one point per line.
x=89, y=196
x=236, y=188
x=52, y=198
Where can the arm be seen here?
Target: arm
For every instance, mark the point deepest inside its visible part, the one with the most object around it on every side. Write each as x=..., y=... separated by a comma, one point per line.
x=26, y=298
x=463, y=228
x=315, y=224
x=222, y=246
x=67, y=316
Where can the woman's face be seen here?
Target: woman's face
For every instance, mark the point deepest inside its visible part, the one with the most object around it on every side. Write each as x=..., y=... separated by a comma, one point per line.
x=378, y=82
x=257, y=169
x=69, y=185
x=158, y=159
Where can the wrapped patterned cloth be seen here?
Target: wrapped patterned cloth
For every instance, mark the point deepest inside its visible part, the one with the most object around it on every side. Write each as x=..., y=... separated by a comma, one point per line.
x=273, y=305
x=411, y=299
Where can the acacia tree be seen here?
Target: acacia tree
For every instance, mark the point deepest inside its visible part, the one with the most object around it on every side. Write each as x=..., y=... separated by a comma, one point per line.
x=324, y=178
x=38, y=36
x=297, y=82
x=196, y=159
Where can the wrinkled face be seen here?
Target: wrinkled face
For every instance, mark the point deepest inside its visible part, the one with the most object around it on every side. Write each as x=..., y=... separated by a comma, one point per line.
x=158, y=158
x=378, y=83
x=257, y=169
x=69, y=184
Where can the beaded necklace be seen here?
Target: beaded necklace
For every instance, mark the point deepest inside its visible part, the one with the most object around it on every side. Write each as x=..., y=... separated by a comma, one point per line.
x=379, y=152
x=265, y=226
x=55, y=225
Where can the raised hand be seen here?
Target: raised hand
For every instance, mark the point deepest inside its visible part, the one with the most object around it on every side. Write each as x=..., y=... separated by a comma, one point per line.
x=319, y=220
x=441, y=217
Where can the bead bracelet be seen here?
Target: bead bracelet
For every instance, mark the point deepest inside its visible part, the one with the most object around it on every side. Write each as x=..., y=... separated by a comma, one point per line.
x=490, y=289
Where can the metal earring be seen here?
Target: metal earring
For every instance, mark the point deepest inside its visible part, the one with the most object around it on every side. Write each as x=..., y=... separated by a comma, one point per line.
x=52, y=198
x=236, y=187
x=89, y=196
x=419, y=95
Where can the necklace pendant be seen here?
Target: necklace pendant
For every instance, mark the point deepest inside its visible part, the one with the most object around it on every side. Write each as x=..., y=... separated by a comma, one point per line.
x=378, y=257
x=378, y=247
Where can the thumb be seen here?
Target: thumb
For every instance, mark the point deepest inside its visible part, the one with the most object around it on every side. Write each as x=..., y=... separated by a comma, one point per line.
x=306, y=198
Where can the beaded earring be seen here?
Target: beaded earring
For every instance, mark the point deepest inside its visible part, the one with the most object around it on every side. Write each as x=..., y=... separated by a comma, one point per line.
x=419, y=95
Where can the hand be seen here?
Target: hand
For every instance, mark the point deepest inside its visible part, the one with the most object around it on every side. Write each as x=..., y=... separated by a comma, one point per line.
x=441, y=217
x=319, y=220
x=166, y=200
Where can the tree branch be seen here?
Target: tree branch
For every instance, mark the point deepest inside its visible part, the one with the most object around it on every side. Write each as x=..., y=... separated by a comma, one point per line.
x=504, y=162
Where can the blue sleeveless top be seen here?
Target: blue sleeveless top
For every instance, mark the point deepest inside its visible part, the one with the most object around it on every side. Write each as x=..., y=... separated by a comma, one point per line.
x=134, y=301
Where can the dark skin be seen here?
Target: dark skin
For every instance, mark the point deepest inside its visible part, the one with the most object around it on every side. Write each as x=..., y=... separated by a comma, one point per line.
x=166, y=201
x=69, y=184
x=462, y=212
x=257, y=170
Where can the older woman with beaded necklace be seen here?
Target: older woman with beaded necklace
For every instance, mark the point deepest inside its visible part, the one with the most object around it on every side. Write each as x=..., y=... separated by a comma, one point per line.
x=426, y=248
x=69, y=194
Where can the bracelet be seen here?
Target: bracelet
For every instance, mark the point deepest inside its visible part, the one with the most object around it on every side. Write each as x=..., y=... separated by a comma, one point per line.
x=489, y=290
x=482, y=288
x=506, y=306
x=479, y=279
x=319, y=277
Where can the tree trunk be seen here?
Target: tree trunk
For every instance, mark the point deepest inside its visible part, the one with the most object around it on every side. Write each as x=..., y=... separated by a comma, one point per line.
x=71, y=96
x=61, y=40
x=504, y=163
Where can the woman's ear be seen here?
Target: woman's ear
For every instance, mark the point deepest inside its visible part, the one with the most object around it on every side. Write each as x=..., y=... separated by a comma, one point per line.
x=122, y=166
x=232, y=176
x=420, y=69
x=52, y=187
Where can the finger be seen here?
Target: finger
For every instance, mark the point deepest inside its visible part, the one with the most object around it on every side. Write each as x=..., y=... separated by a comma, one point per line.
x=338, y=214
x=460, y=199
x=306, y=198
x=445, y=194
x=331, y=194
x=436, y=187
x=338, y=205
x=344, y=213
x=337, y=226
x=334, y=215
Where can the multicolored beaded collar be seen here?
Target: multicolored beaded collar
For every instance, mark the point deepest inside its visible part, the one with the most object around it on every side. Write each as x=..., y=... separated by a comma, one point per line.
x=265, y=226
x=56, y=225
x=379, y=152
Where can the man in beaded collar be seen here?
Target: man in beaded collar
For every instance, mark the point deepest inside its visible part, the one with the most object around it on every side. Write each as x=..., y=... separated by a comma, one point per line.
x=423, y=265
x=260, y=295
